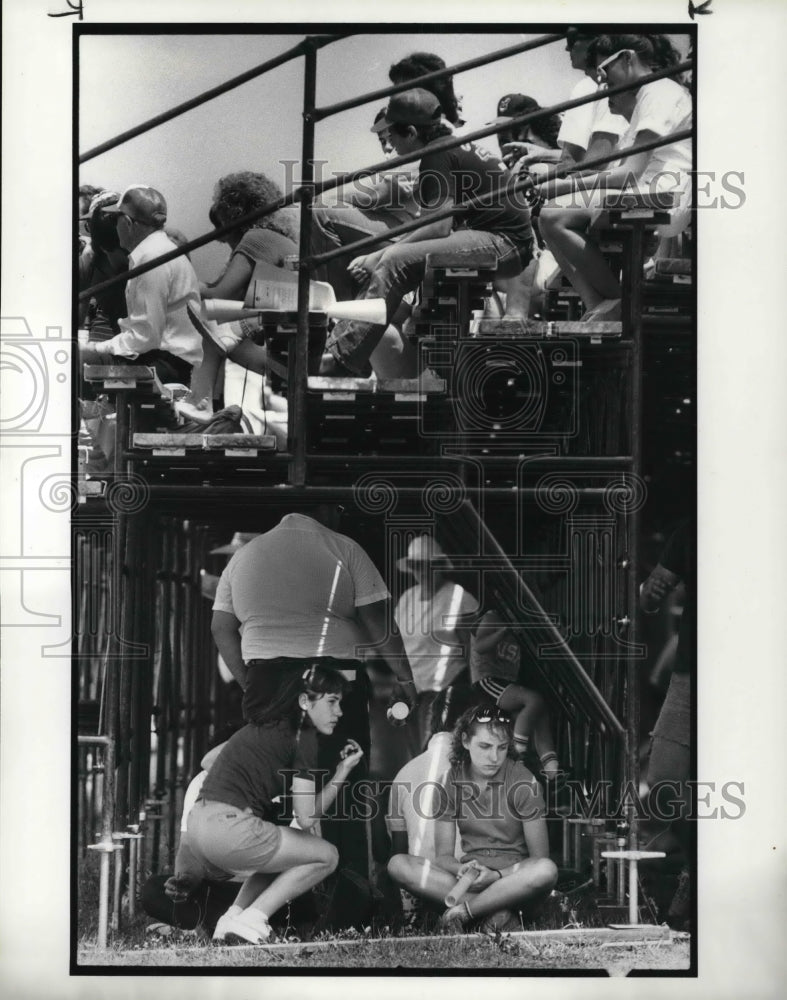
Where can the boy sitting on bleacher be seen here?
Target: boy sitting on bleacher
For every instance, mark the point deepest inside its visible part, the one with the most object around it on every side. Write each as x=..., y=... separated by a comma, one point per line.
x=446, y=178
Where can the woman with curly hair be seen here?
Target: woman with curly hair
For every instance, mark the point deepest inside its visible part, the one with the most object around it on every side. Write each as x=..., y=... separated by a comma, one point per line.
x=419, y=64
x=498, y=808
x=269, y=240
x=653, y=110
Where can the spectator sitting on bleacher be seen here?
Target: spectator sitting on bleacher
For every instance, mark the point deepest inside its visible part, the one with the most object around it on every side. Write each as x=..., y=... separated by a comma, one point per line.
x=156, y=331
x=103, y=257
x=653, y=111
x=446, y=178
x=591, y=130
x=419, y=64
x=270, y=240
x=375, y=205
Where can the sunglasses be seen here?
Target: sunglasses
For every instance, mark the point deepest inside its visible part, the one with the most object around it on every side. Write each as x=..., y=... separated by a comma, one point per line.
x=601, y=72
x=486, y=714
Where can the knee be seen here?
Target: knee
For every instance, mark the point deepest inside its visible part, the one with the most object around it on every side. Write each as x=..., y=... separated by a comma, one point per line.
x=544, y=873
x=398, y=868
x=331, y=858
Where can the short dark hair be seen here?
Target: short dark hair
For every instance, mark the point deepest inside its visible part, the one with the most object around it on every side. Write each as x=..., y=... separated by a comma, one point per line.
x=238, y=194
x=314, y=681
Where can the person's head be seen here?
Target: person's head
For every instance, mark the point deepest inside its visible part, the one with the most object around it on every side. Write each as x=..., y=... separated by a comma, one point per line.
x=451, y=703
x=86, y=194
x=384, y=135
x=419, y=64
x=413, y=120
x=235, y=195
x=543, y=131
x=577, y=46
x=100, y=224
x=482, y=740
x=425, y=560
x=141, y=210
x=311, y=696
x=620, y=59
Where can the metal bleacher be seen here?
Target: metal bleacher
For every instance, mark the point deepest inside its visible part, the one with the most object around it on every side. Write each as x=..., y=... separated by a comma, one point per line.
x=525, y=450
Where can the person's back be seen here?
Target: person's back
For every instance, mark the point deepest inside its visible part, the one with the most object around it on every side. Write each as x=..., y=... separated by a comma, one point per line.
x=416, y=796
x=295, y=590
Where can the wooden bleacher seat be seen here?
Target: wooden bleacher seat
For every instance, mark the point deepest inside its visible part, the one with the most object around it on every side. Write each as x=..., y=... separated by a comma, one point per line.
x=173, y=444
x=114, y=378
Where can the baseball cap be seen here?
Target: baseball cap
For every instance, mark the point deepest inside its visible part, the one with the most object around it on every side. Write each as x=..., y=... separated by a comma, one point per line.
x=412, y=107
x=143, y=204
x=513, y=105
x=100, y=200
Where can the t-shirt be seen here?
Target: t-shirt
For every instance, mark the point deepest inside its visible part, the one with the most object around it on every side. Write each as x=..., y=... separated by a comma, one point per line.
x=662, y=107
x=295, y=589
x=265, y=245
x=428, y=627
x=248, y=772
x=679, y=558
x=470, y=172
x=579, y=124
x=503, y=661
x=492, y=820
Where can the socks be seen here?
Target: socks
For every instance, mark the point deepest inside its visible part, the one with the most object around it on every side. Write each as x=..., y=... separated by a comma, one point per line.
x=521, y=744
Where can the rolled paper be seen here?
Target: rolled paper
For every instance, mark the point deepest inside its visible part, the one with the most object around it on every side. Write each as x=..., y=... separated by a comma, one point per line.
x=463, y=883
x=363, y=310
x=397, y=713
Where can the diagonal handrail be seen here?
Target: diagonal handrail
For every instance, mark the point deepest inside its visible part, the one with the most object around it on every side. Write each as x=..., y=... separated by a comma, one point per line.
x=208, y=95
x=385, y=165
x=438, y=74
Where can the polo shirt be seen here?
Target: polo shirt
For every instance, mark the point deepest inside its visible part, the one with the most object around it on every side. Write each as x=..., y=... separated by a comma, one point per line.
x=492, y=820
x=295, y=590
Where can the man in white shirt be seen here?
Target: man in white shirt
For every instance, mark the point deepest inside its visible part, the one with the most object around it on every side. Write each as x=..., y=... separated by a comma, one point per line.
x=156, y=330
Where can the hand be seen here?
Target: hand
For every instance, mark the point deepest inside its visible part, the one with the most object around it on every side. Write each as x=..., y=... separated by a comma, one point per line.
x=361, y=267
x=350, y=755
x=513, y=151
x=486, y=876
x=403, y=691
x=178, y=888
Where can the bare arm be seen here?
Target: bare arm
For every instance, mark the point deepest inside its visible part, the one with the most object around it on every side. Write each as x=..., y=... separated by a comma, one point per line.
x=225, y=629
x=630, y=170
x=233, y=283
x=308, y=807
x=377, y=622
x=445, y=844
x=536, y=837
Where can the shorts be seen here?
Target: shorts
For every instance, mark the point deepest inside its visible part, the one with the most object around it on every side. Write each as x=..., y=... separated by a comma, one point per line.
x=491, y=858
x=226, y=840
x=494, y=687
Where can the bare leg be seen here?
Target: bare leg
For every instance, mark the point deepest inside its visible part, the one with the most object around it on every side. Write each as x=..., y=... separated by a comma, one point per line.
x=565, y=233
x=421, y=877
x=394, y=357
x=250, y=355
x=519, y=291
x=301, y=861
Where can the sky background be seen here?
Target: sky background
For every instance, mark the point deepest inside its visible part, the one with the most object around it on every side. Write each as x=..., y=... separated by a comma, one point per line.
x=258, y=124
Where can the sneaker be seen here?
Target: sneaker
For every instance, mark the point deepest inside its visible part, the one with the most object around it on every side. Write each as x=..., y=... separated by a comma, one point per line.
x=222, y=925
x=249, y=927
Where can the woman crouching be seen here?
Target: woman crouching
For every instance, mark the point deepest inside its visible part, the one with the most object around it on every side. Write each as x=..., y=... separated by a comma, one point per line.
x=232, y=829
x=498, y=808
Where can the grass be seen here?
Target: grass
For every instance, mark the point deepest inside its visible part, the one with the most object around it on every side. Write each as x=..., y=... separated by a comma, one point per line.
x=380, y=946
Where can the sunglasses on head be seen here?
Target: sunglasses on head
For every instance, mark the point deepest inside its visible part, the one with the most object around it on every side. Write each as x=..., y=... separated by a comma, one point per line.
x=601, y=72
x=490, y=713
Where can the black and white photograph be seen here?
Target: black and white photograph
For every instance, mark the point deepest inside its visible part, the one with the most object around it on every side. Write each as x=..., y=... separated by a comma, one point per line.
x=404, y=464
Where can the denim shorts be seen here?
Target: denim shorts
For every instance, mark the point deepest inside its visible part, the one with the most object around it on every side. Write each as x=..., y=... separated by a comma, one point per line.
x=226, y=840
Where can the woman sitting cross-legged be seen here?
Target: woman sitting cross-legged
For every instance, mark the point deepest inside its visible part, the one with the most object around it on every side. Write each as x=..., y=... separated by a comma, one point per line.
x=232, y=829
x=498, y=808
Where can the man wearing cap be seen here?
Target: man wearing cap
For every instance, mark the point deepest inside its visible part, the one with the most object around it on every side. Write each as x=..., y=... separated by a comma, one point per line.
x=299, y=594
x=103, y=258
x=446, y=178
x=156, y=330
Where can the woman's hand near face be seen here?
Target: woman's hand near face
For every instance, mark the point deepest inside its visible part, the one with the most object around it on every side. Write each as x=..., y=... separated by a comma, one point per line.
x=350, y=756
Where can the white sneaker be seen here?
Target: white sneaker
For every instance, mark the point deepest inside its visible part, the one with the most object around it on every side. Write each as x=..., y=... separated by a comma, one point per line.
x=220, y=933
x=249, y=927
